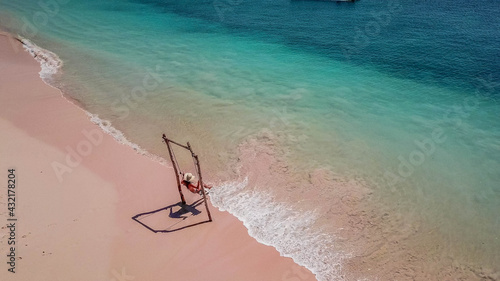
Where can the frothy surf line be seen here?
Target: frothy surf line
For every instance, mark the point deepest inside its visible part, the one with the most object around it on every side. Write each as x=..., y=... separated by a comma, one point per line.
x=280, y=226
x=51, y=64
x=105, y=125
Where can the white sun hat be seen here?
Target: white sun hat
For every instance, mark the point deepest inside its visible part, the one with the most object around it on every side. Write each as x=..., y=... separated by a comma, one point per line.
x=189, y=177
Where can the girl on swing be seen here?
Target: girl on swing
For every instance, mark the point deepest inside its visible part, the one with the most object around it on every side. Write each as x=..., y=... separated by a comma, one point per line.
x=189, y=180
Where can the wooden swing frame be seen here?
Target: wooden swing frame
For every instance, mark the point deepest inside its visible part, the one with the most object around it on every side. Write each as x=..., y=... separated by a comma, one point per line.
x=196, y=161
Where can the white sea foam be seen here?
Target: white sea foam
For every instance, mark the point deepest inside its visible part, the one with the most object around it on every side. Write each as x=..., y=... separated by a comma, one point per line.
x=50, y=62
x=106, y=126
x=278, y=225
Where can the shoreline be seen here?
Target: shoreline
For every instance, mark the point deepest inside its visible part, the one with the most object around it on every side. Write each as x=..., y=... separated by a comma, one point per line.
x=361, y=227
x=40, y=125
x=51, y=64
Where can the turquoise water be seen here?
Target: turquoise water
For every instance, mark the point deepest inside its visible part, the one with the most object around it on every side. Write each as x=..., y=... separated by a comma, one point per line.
x=402, y=96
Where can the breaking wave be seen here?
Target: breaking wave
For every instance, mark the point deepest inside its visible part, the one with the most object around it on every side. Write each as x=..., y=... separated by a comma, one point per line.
x=50, y=62
x=278, y=225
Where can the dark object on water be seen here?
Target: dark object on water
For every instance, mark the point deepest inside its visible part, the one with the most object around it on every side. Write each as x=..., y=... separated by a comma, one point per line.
x=336, y=1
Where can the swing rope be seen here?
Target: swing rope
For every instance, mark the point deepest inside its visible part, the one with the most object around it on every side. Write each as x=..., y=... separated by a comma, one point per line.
x=176, y=163
x=195, y=165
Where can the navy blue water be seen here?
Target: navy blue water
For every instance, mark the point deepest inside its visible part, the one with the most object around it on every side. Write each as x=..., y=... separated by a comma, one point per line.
x=447, y=42
x=402, y=94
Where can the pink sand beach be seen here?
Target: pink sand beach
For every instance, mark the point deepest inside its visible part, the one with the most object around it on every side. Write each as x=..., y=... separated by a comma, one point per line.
x=77, y=190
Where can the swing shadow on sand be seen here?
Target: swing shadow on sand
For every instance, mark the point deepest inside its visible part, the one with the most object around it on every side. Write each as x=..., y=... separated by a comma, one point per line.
x=172, y=218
